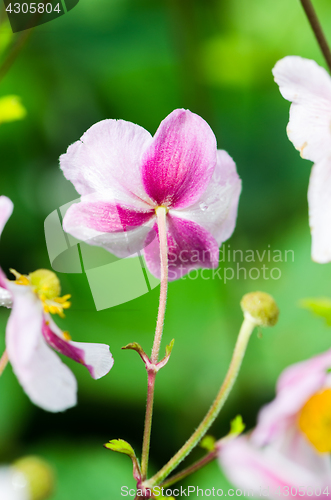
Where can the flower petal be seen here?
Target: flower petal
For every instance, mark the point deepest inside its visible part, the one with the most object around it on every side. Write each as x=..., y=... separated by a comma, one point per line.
x=178, y=165
x=217, y=208
x=308, y=87
x=6, y=209
x=190, y=247
x=319, y=199
x=108, y=156
x=6, y=299
x=295, y=386
x=96, y=357
x=45, y=379
x=24, y=324
x=119, y=229
x=13, y=484
x=266, y=469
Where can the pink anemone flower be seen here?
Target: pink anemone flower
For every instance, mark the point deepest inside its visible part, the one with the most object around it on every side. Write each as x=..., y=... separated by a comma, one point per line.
x=288, y=453
x=308, y=87
x=31, y=332
x=123, y=175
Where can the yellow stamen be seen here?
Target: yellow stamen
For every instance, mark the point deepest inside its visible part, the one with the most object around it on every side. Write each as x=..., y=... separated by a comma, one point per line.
x=47, y=286
x=21, y=279
x=67, y=336
x=315, y=420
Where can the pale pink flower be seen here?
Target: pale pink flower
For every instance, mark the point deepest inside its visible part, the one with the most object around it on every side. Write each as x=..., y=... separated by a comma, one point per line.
x=123, y=174
x=308, y=87
x=291, y=444
x=31, y=332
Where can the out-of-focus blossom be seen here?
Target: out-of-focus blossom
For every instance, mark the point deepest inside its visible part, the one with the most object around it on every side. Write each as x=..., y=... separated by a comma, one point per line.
x=11, y=109
x=308, y=87
x=288, y=453
x=29, y=478
x=31, y=332
x=123, y=174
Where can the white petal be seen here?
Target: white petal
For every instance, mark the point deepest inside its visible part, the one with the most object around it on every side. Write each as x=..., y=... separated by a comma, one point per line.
x=108, y=156
x=24, y=324
x=308, y=86
x=5, y=298
x=6, y=209
x=217, y=208
x=45, y=379
x=97, y=358
x=319, y=199
x=13, y=484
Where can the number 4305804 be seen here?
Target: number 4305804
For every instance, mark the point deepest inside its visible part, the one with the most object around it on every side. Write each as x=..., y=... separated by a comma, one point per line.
x=33, y=8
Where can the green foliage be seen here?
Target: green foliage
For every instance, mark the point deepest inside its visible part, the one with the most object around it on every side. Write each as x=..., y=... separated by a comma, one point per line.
x=120, y=446
x=237, y=426
x=319, y=306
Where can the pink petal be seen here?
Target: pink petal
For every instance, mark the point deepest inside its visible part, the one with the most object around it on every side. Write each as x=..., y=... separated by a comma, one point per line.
x=119, y=229
x=295, y=386
x=251, y=468
x=308, y=86
x=178, y=165
x=6, y=299
x=45, y=379
x=96, y=357
x=6, y=209
x=217, y=208
x=108, y=157
x=319, y=198
x=190, y=247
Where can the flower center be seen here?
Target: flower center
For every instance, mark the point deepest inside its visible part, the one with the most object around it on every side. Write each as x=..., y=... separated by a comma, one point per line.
x=46, y=285
x=315, y=420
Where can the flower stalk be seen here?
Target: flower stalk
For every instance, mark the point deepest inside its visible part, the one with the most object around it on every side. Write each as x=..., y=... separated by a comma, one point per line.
x=161, y=213
x=246, y=330
x=317, y=29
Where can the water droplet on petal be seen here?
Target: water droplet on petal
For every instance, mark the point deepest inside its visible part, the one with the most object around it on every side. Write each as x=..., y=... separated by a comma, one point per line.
x=203, y=206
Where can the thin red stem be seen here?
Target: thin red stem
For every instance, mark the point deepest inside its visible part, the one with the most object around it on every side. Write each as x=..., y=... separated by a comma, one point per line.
x=317, y=29
x=161, y=213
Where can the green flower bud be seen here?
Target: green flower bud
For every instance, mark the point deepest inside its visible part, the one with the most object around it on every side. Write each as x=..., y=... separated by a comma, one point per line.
x=39, y=475
x=261, y=308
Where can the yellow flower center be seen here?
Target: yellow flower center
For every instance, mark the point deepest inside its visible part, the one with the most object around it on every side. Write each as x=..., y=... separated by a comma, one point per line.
x=47, y=286
x=315, y=420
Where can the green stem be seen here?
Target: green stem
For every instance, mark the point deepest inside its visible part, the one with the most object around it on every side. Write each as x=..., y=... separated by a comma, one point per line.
x=237, y=357
x=3, y=362
x=190, y=470
x=161, y=213
x=317, y=29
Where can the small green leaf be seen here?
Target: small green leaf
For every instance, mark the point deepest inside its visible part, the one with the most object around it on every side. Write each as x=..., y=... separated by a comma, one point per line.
x=319, y=306
x=170, y=347
x=208, y=443
x=237, y=426
x=120, y=446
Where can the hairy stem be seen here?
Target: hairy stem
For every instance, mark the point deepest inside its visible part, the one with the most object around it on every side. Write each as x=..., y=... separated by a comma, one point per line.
x=237, y=357
x=3, y=362
x=190, y=470
x=161, y=213
x=317, y=29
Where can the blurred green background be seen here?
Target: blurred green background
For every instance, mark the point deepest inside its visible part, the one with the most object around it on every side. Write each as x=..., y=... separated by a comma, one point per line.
x=138, y=60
